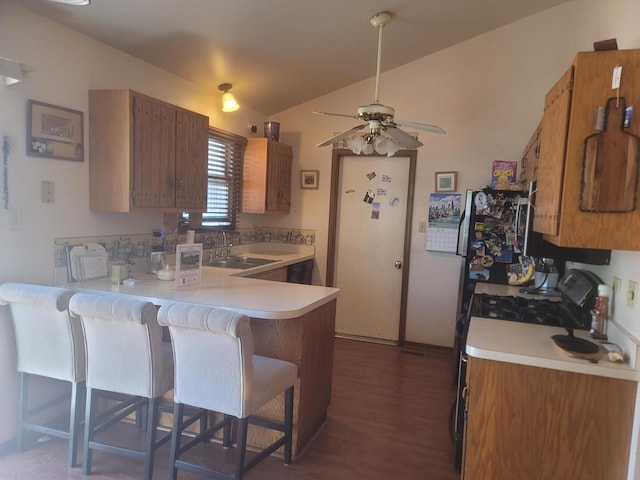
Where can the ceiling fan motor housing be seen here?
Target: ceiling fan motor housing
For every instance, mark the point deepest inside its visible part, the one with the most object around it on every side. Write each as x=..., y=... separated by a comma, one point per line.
x=376, y=111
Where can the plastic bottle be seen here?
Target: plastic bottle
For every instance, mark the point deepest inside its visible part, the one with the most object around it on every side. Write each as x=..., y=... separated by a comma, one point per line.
x=600, y=313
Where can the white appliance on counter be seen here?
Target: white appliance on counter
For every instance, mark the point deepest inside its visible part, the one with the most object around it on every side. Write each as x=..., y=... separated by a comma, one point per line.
x=86, y=262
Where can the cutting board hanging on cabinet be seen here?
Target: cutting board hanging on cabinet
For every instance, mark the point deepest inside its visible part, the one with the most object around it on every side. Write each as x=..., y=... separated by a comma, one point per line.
x=610, y=164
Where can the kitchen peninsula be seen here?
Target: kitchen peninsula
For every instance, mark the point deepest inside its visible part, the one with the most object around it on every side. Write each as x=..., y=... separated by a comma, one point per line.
x=289, y=321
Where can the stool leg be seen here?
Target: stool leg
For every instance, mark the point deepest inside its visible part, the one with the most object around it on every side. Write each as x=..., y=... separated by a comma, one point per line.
x=150, y=443
x=241, y=447
x=288, y=424
x=75, y=419
x=89, y=421
x=178, y=411
x=24, y=412
x=226, y=431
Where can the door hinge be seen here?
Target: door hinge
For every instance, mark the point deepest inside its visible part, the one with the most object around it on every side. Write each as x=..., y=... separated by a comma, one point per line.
x=133, y=107
x=133, y=194
x=556, y=218
x=570, y=85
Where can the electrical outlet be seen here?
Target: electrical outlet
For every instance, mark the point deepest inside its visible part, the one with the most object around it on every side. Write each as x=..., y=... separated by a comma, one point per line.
x=422, y=227
x=632, y=294
x=617, y=285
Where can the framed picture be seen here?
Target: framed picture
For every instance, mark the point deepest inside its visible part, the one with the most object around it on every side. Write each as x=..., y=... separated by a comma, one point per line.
x=54, y=132
x=309, y=179
x=446, y=181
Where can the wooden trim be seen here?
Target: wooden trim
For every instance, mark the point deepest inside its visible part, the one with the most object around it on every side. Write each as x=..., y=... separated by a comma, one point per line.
x=336, y=157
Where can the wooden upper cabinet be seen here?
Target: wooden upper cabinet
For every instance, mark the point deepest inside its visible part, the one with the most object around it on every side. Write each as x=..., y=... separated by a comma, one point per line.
x=553, y=141
x=530, y=156
x=587, y=178
x=145, y=154
x=266, y=181
x=191, y=161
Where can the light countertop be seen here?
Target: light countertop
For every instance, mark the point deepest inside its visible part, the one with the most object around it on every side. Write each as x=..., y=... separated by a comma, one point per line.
x=529, y=344
x=226, y=288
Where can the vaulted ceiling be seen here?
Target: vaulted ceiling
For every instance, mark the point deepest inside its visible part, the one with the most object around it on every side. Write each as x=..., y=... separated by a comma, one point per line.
x=280, y=53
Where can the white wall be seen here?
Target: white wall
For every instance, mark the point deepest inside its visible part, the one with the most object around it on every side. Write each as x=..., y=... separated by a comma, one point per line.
x=488, y=94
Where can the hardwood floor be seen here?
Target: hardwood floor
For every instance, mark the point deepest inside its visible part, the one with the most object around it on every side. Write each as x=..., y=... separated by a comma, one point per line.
x=388, y=420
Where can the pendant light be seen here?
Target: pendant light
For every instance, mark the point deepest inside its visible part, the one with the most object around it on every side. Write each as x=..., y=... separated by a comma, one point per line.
x=229, y=103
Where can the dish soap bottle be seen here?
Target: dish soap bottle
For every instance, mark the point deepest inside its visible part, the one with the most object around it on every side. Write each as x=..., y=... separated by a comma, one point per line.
x=600, y=313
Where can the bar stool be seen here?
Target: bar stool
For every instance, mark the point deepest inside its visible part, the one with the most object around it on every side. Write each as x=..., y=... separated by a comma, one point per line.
x=216, y=370
x=49, y=344
x=125, y=355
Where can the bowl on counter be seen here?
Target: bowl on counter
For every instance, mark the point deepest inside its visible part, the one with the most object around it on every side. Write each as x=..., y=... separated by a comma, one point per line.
x=167, y=273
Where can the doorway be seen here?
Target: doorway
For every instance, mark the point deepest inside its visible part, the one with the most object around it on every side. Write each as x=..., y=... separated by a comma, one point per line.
x=379, y=277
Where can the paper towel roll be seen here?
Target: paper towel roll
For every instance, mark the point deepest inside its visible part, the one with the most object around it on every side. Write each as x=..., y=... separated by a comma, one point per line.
x=191, y=236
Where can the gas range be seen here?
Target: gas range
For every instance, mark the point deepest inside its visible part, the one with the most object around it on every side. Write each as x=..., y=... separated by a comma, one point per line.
x=556, y=312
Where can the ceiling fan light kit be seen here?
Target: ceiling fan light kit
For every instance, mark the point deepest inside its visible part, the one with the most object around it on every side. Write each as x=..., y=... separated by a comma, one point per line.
x=379, y=118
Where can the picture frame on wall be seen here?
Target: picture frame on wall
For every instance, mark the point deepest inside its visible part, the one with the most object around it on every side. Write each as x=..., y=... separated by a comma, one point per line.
x=54, y=132
x=446, y=181
x=310, y=179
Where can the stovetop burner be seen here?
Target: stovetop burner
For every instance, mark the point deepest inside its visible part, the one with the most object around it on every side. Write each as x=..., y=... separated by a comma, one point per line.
x=558, y=313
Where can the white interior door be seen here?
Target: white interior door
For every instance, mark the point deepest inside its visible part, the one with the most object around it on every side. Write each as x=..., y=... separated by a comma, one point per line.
x=372, y=206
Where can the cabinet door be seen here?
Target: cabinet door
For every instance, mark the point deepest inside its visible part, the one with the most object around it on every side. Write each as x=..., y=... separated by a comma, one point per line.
x=191, y=161
x=553, y=145
x=278, y=178
x=154, y=150
x=534, y=423
x=530, y=156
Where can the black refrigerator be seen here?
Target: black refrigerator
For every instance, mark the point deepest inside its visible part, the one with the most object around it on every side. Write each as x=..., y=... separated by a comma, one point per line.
x=491, y=239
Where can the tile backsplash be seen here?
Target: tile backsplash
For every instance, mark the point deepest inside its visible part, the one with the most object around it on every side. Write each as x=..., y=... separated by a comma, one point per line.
x=135, y=249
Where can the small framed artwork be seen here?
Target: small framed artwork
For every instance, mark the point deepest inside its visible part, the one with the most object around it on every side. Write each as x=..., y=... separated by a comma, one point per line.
x=309, y=179
x=54, y=132
x=446, y=181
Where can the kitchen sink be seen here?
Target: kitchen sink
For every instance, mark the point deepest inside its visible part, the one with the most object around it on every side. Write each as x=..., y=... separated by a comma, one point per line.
x=240, y=262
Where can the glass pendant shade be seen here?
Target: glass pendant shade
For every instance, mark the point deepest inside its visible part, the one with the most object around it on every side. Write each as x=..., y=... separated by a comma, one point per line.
x=361, y=145
x=229, y=103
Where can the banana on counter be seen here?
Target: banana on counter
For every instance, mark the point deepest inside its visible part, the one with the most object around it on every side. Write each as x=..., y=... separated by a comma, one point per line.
x=521, y=273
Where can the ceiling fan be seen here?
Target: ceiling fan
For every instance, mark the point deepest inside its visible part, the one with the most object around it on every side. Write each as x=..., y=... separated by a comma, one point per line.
x=379, y=118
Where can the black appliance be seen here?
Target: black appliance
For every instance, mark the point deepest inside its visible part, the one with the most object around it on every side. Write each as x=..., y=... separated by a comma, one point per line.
x=490, y=238
x=578, y=288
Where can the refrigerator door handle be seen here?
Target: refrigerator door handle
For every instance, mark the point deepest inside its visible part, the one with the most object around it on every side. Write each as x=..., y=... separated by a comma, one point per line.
x=463, y=226
x=529, y=219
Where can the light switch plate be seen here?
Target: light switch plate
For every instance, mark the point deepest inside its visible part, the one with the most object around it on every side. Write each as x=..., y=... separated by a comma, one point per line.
x=47, y=191
x=632, y=294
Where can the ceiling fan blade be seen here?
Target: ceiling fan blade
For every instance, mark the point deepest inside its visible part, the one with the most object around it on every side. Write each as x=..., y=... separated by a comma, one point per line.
x=404, y=139
x=342, y=135
x=336, y=114
x=421, y=126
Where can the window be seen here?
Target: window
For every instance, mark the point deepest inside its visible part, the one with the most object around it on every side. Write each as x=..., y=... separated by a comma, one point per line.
x=226, y=152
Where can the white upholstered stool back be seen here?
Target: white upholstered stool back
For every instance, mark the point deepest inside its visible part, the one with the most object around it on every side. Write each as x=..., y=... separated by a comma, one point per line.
x=49, y=344
x=124, y=345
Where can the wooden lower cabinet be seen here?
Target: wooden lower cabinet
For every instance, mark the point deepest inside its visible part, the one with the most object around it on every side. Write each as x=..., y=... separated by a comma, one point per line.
x=531, y=423
x=276, y=275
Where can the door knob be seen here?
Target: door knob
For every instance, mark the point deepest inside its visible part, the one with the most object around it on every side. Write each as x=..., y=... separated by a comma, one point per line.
x=398, y=264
